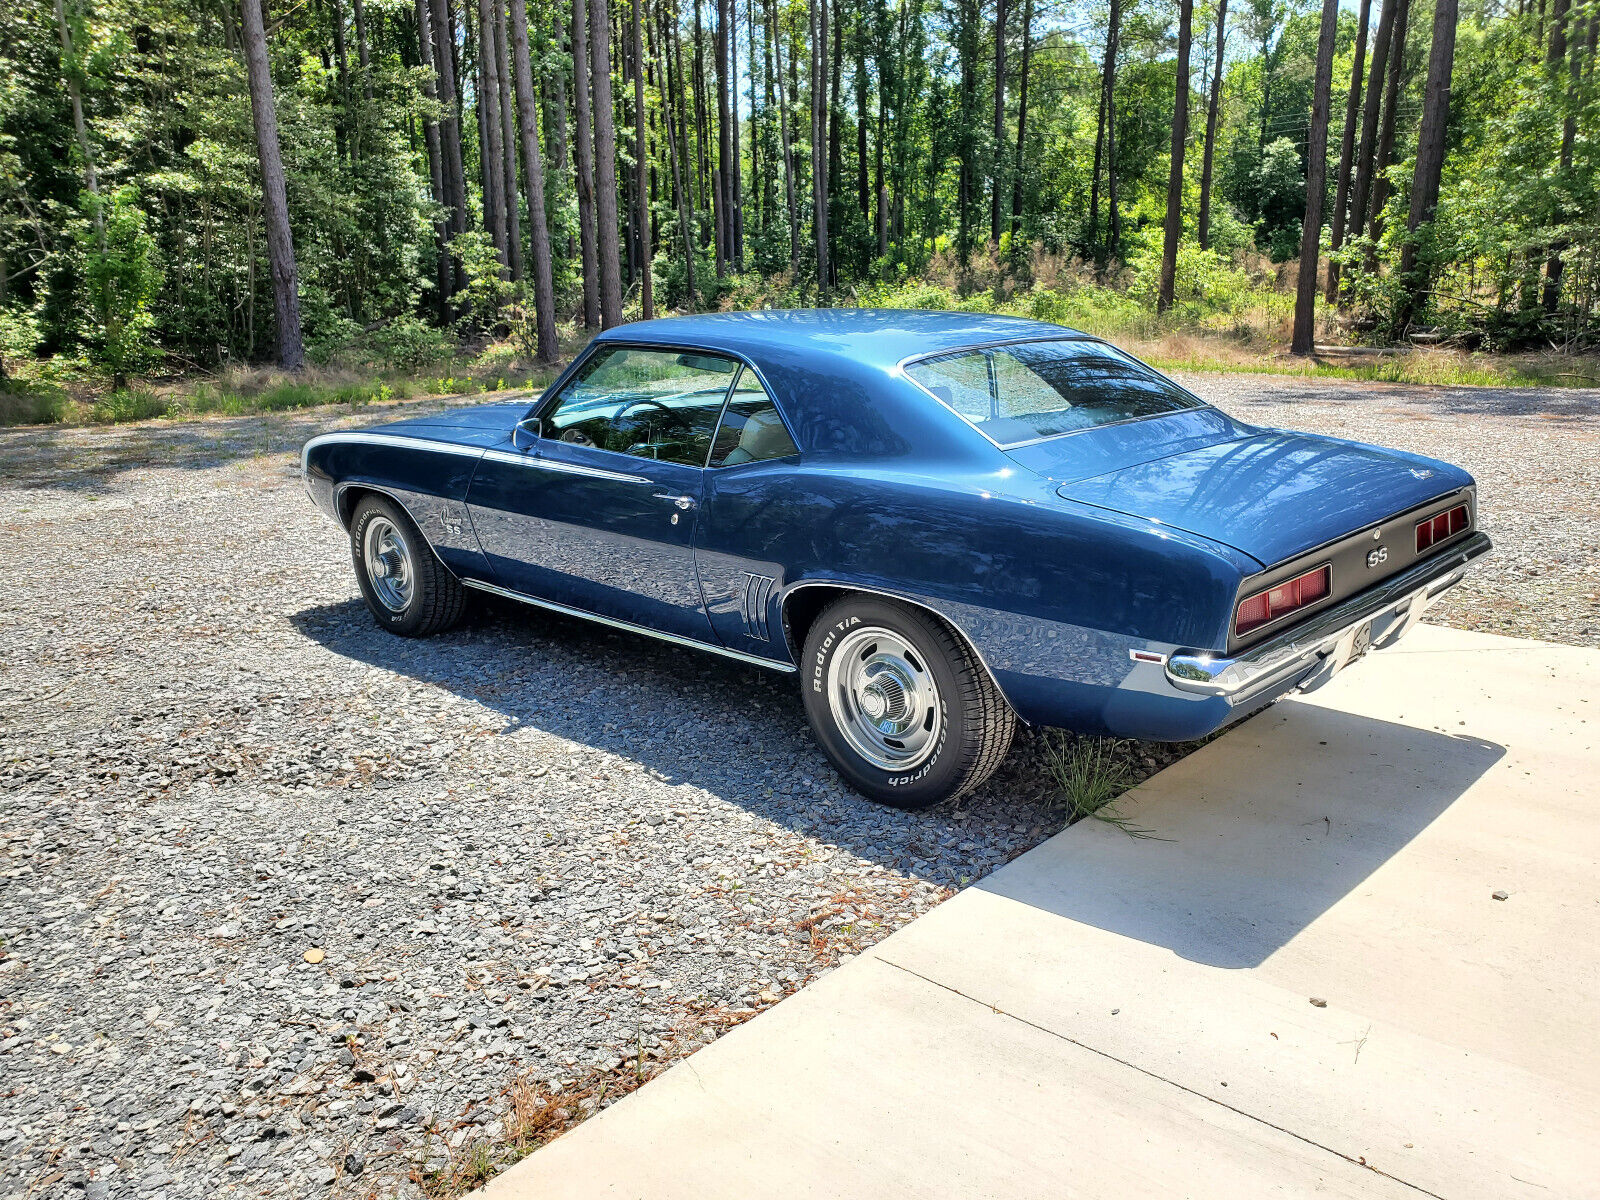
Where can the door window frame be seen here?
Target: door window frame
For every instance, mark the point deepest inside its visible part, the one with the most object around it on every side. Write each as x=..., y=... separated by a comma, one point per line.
x=546, y=403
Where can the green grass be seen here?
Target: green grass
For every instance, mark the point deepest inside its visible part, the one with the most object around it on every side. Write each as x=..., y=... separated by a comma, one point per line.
x=1091, y=773
x=246, y=392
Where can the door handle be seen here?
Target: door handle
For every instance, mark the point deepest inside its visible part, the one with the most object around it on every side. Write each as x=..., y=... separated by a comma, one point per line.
x=683, y=502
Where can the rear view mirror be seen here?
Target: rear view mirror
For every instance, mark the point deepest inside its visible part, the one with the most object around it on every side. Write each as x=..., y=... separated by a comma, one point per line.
x=532, y=426
x=702, y=362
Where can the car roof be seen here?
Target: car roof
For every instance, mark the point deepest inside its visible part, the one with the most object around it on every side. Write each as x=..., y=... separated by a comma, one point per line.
x=876, y=337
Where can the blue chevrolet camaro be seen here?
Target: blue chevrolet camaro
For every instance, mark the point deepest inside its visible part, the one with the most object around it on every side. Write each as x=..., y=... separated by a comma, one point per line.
x=943, y=522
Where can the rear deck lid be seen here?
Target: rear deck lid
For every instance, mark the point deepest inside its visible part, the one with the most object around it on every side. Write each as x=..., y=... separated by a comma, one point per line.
x=1272, y=495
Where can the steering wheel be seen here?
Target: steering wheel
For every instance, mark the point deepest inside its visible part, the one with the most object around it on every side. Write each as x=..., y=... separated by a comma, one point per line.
x=675, y=417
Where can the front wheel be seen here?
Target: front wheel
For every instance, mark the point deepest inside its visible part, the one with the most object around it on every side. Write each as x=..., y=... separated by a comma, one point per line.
x=900, y=704
x=408, y=590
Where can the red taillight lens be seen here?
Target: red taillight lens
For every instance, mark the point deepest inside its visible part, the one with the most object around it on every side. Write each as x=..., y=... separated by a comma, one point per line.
x=1282, y=599
x=1435, y=529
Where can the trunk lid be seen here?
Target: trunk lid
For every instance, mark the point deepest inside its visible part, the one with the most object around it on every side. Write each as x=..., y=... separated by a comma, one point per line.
x=1272, y=495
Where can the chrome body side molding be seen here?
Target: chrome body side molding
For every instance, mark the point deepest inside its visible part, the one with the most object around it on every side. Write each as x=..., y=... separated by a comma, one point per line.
x=550, y=464
x=628, y=626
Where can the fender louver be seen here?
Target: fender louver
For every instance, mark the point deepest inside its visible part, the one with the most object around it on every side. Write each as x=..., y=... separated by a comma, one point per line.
x=757, y=591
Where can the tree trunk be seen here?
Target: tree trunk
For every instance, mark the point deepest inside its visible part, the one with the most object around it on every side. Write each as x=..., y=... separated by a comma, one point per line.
x=863, y=183
x=787, y=139
x=556, y=132
x=1366, y=156
x=1305, y=301
x=280, y=243
x=1560, y=14
x=1213, y=105
x=443, y=281
x=1108, y=142
x=508, y=140
x=1416, y=278
x=491, y=147
x=835, y=156
x=347, y=121
x=1180, y=136
x=80, y=126
x=680, y=189
x=605, y=166
x=724, y=191
x=818, y=14
x=735, y=179
x=455, y=171
x=1022, y=117
x=363, y=54
x=998, y=153
x=1391, y=101
x=1358, y=65
x=584, y=163
x=691, y=245
x=702, y=129
x=544, y=292
x=641, y=154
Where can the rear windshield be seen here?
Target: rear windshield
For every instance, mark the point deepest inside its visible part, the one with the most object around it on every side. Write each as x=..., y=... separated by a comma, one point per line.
x=1032, y=390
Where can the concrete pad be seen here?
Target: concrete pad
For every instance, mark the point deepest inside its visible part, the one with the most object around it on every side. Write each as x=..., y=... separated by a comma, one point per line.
x=1120, y=1017
x=875, y=1083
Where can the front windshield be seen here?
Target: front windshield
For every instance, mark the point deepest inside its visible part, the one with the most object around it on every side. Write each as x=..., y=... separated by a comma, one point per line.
x=1032, y=390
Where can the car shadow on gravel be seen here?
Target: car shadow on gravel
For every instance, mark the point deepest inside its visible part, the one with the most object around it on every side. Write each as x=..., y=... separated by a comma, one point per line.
x=735, y=731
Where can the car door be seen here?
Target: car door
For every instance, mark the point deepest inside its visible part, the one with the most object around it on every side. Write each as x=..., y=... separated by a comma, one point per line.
x=595, y=507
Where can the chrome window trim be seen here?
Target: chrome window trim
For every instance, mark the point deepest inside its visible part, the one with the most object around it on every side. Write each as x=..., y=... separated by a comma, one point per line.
x=548, y=397
x=629, y=626
x=528, y=458
x=722, y=415
x=1072, y=336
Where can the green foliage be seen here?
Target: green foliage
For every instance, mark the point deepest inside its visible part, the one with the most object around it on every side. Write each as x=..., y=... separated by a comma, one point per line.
x=19, y=338
x=121, y=277
x=1206, y=282
x=180, y=273
x=487, y=291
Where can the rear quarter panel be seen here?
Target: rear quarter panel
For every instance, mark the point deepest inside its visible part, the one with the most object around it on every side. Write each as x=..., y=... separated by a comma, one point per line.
x=1052, y=595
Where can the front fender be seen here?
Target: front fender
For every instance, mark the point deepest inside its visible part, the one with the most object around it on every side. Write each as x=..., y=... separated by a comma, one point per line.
x=429, y=479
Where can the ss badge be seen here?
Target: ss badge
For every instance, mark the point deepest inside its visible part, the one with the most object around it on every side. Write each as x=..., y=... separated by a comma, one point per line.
x=1377, y=557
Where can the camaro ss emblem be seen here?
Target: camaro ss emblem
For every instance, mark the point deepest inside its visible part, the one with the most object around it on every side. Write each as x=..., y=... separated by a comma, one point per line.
x=1377, y=557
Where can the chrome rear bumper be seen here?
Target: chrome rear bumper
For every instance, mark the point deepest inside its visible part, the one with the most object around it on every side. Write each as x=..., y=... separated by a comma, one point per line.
x=1310, y=654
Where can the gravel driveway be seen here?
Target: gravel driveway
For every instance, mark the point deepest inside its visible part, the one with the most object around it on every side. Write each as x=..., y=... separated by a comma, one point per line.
x=290, y=906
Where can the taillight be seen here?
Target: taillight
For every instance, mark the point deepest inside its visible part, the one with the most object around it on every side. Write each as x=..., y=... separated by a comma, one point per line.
x=1435, y=529
x=1282, y=599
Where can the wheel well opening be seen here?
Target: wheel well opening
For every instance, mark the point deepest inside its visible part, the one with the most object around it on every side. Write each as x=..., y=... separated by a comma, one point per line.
x=804, y=605
x=801, y=610
x=349, y=498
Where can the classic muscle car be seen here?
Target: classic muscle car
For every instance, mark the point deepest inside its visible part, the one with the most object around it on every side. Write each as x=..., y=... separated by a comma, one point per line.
x=942, y=522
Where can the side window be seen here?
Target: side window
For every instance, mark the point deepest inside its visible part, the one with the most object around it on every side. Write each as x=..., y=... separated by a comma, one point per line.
x=660, y=404
x=751, y=428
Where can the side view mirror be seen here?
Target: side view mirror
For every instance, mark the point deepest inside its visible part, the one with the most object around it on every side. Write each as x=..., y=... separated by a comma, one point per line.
x=532, y=426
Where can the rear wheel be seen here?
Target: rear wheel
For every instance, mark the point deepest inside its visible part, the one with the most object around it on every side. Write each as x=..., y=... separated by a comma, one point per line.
x=900, y=704
x=408, y=590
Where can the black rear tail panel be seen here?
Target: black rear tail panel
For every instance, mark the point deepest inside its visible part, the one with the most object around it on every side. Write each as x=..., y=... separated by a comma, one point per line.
x=1357, y=561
